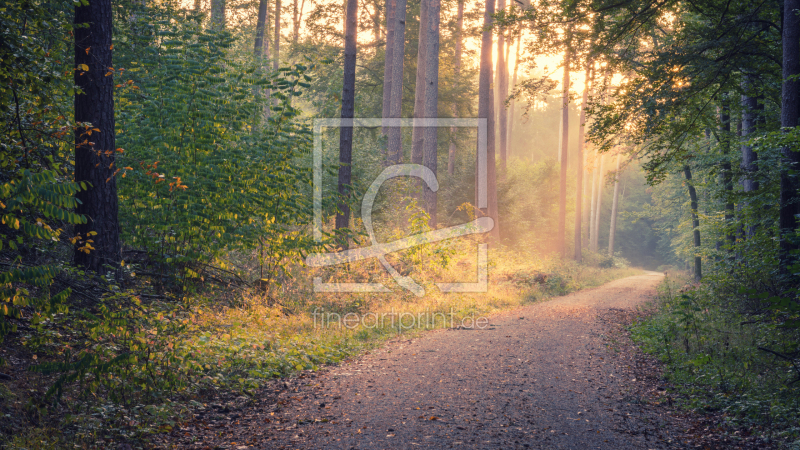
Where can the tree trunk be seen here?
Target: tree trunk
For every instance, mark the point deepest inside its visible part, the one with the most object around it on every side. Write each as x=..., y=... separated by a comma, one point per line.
x=277, y=55
x=298, y=16
x=593, y=201
x=218, y=14
x=612, y=231
x=487, y=201
x=258, y=47
x=596, y=226
x=752, y=115
x=581, y=144
x=391, y=5
x=430, y=147
x=198, y=4
x=727, y=172
x=790, y=109
x=698, y=271
x=398, y=56
x=451, y=154
x=512, y=107
x=348, y=104
x=417, y=134
x=95, y=145
x=563, y=153
x=502, y=91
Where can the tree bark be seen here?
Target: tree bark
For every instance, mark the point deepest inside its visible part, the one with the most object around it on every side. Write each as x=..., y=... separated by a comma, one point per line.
x=698, y=271
x=486, y=111
x=790, y=110
x=502, y=91
x=430, y=147
x=218, y=14
x=563, y=152
x=727, y=172
x=512, y=107
x=596, y=227
x=398, y=56
x=198, y=5
x=752, y=115
x=417, y=134
x=451, y=153
x=277, y=57
x=348, y=104
x=95, y=145
x=612, y=231
x=391, y=5
x=593, y=201
x=579, y=185
x=258, y=47
x=298, y=16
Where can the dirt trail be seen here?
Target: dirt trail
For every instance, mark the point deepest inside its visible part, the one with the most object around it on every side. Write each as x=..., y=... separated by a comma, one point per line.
x=537, y=377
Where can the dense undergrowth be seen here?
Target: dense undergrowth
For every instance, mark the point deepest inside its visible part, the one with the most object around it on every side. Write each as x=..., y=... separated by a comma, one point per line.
x=728, y=352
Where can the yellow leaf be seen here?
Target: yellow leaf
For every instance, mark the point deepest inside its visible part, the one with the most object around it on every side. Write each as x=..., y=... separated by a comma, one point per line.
x=83, y=67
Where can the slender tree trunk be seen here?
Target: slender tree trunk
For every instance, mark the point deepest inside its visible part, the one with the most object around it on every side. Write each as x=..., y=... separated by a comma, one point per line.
x=348, y=104
x=258, y=46
x=218, y=14
x=430, y=147
x=417, y=133
x=486, y=111
x=502, y=91
x=391, y=5
x=698, y=271
x=297, y=17
x=727, y=172
x=790, y=110
x=581, y=144
x=451, y=154
x=512, y=107
x=593, y=206
x=752, y=114
x=612, y=231
x=598, y=213
x=198, y=4
x=94, y=153
x=563, y=152
x=398, y=55
x=276, y=59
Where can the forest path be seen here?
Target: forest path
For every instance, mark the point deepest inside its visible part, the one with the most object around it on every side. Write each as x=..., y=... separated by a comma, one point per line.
x=542, y=376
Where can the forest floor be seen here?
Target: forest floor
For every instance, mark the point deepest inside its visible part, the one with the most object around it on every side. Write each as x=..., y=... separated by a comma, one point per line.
x=556, y=374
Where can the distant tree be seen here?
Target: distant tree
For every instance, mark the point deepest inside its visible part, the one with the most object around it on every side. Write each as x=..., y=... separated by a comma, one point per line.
x=277, y=56
x=580, y=171
x=431, y=110
x=451, y=153
x=391, y=6
x=698, y=260
x=218, y=17
x=612, y=232
x=95, y=143
x=502, y=90
x=348, y=106
x=417, y=133
x=486, y=111
x=563, y=154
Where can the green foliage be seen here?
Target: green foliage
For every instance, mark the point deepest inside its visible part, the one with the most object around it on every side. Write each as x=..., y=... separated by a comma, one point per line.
x=211, y=147
x=36, y=196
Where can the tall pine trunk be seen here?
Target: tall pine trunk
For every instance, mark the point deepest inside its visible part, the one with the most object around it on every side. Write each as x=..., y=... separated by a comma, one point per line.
x=417, y=133
x=727, y=172
x=612, y=230
x=563, y=153
x=502, y=91
x=487, y=201
x=258, y=45
x=430, y=154
x=348, y=105
x=277, y=49
x=95, y=149
x=593, y=201
x=752, y=114
x=595, y=243
x=395, y=151
x=451, y=153
x=790, y=110
x=391, y=5
x=218, y=14
x=512, y=107
x=579, y=177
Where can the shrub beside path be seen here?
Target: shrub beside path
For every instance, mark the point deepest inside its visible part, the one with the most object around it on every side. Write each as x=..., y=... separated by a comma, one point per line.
x=545, y=376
